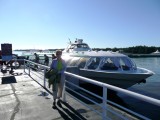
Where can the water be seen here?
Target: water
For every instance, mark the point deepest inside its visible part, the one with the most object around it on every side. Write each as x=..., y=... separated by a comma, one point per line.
x=150, y=88
x=152, y=85
x=19, y=53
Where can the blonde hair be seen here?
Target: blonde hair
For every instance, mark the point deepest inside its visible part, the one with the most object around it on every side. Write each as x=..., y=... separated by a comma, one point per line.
x=58, y=52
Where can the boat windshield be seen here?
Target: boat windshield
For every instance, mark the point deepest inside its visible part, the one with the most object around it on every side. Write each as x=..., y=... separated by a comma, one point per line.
x=102, y=63
x=115, y=63
x=109, y=64
x=93, y=63
x=125, y=63
x=82, y=62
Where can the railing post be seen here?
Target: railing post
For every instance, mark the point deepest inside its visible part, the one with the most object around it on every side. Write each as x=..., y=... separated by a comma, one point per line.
x=44, y=78
x=104, y=105
x=24, y=65
x=29, y=69
x=64, y=92
x=44, y=93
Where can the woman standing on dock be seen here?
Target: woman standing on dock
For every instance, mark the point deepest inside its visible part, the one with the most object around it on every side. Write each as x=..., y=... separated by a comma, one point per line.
x=59, y=65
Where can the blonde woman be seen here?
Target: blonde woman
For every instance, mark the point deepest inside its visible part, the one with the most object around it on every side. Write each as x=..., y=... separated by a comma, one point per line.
x=59, y=65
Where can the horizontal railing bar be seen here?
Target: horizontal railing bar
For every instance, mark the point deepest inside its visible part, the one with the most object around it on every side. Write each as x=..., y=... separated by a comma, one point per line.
x=85, y=90
x=128, y=110
x=85, y=104
x=83, y=96
x=129, y=93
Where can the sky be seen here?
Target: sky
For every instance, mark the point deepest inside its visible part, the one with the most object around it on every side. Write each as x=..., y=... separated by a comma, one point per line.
x=49, y=24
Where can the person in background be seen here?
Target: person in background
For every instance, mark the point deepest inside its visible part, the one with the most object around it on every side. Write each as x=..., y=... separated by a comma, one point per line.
x=46, y=60
x=53, y=56
x=58, y=64
x=1, y=62
x=36, y=59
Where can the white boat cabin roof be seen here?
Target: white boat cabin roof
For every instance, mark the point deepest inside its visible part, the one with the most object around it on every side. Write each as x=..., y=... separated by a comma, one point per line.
x=78, y=45
x=97, y=54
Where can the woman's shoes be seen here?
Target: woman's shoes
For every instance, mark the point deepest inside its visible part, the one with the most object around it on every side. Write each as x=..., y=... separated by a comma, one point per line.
x=54, y=105
x=59, y=103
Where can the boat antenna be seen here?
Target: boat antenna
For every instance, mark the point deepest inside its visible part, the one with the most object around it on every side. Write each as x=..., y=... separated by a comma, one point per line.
x=76, y=40
x=69, y=40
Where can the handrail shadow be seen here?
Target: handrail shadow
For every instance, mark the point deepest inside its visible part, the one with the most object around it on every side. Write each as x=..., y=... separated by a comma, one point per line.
x=70, y=113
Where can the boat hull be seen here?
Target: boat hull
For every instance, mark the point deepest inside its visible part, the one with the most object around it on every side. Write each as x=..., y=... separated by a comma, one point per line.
x=119, y=79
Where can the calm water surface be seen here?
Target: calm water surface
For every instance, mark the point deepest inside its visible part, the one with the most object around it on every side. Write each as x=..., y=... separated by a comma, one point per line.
x=150, y=88
x=152, y=85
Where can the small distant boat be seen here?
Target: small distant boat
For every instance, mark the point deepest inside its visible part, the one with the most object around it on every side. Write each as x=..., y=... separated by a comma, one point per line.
x=108, y=67
x=156, y=52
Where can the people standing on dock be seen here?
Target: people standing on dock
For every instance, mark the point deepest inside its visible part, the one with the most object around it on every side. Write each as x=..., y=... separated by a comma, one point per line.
x=46, y=60
x=36, y=60
x=53, y=56
x=58, y=64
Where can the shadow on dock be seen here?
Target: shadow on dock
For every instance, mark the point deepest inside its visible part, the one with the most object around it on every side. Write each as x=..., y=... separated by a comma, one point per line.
x=70, y=113
x=8, y=80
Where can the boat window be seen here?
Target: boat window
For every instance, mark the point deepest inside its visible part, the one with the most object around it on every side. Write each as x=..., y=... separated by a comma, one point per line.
x=82, y=62
x=93, y=63
x=125, y=63
x=108, y=64
x=82, y=46
x=133, y=64
x=79, y=46
x=74, y=61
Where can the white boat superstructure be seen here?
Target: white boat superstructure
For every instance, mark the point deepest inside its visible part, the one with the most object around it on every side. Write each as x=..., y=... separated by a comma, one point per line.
x=77, y=46
x=109, y=67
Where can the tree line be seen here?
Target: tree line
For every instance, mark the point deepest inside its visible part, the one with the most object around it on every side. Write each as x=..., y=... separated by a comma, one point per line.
x=132, y=50
x=129, y=50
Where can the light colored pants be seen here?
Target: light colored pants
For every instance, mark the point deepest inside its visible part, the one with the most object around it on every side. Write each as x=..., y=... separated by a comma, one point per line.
x=57, y=92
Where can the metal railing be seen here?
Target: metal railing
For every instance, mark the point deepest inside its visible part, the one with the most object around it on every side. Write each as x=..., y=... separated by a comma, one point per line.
x=104, y=104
